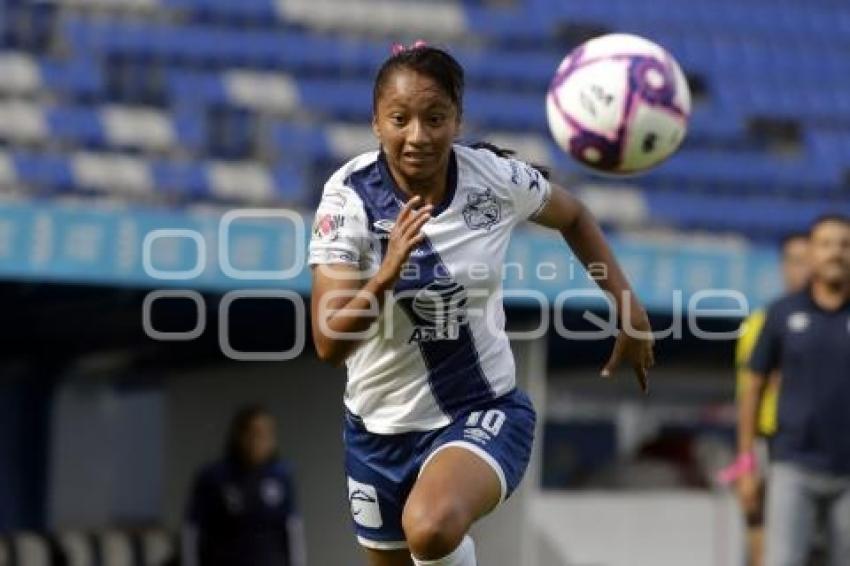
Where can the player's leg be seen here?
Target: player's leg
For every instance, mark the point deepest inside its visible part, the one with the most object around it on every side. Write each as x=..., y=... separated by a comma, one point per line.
x=381, y=470
x=755, y=522
x=388, y=557
x=456, y=488
x=473, y=465
x=755, y=531
x=755, y=544
x=791, y=516
x=839, y=528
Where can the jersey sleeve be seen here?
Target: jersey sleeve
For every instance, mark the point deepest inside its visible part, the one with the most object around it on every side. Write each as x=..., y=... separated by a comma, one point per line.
x=768, y=349
x=340, y=231
x=526, y=187
x=529, y=190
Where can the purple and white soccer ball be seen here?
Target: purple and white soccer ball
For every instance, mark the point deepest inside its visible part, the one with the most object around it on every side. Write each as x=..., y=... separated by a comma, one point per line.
x=619, y=104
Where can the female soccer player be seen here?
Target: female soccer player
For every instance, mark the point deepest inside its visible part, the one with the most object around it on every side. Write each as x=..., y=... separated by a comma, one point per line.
x=407, y=252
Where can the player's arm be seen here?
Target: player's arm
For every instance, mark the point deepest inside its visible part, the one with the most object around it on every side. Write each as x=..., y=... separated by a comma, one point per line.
x=748, y=484
x=342, y=305
x=763, y=361
x=568, y=215
x=752, y=393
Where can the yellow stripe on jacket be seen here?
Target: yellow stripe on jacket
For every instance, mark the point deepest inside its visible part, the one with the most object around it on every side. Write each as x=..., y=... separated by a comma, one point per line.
x=750, y=330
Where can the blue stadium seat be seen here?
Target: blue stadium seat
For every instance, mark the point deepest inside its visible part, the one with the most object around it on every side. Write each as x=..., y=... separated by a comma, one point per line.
x=292, y=186
x=184, y=180
x=749, y=171
x=43, y=170
x=202, y=88
x=523, y=23
x=82, y=125
x=294, y=141
x=76, y=78
x=755, y=216
x=261, y=11
x=190, y=126
x=830, y=145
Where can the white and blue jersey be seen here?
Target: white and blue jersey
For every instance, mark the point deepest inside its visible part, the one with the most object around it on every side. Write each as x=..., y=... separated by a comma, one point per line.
x=440, y=347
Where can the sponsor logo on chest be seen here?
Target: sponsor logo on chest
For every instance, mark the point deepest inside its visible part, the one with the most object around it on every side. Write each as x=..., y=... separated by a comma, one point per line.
x=440, y=308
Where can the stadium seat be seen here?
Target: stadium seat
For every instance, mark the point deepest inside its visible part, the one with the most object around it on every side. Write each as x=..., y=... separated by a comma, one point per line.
x=758, y=217
x=76, y=548
x=176, y=181
x=110, y=547
x=31, y=549
x=249, y=11
x=115, y=548
x=158, y=547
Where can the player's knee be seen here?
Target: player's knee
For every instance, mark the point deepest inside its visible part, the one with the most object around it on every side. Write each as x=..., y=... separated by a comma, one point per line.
x=435, y=529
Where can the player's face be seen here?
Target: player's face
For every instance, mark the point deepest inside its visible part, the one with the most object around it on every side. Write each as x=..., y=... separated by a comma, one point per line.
x=830, y=252
x=258, y=441
x=416, y=123
x=795, y=264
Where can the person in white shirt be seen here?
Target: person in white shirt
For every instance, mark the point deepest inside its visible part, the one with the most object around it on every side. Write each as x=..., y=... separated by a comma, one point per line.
x=407, y=252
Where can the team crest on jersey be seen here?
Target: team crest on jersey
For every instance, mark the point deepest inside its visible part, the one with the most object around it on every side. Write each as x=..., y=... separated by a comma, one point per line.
x=326, y=227
x=271, y=492
x=798, y=322
x=482, y=210
x=441, y=310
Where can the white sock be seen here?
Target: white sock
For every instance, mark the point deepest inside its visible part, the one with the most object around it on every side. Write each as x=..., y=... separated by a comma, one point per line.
x=463, y=555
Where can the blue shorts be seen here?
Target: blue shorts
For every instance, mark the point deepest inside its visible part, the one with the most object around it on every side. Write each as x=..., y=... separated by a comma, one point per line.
x=382, y=468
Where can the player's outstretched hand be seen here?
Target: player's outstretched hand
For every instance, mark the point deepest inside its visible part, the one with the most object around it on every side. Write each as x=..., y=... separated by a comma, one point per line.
x=634, y=346
x=405, y=235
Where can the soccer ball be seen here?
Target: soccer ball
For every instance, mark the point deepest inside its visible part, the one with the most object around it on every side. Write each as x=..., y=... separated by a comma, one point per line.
x=619, y=104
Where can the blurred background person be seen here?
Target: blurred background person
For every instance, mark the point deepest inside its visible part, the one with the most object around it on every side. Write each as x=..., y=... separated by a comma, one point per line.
x=242, y=508
x=795, y=276
x=806, y=337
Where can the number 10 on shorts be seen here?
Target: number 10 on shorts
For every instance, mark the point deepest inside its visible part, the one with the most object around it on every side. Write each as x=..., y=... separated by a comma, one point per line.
x=491, y=421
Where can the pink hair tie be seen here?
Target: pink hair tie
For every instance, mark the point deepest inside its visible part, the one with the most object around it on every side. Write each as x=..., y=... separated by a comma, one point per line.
x=398, y=47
